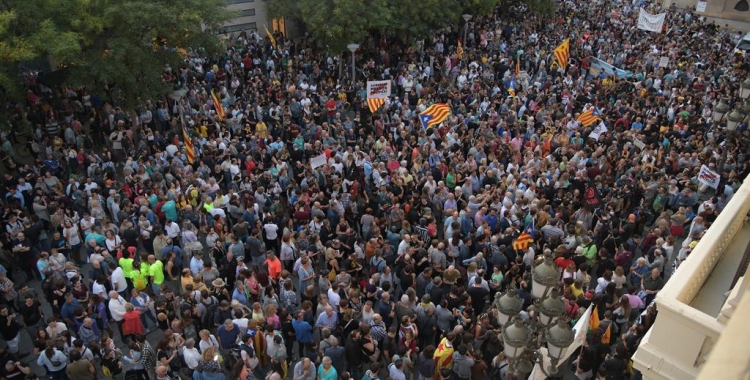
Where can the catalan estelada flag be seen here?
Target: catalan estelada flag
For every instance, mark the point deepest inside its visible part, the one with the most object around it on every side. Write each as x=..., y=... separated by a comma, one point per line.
x=270, y=37
x=434, y=115
x=219, y=107
x=590, y=117
x=460, y=50
x=525, y=238
x=375, y=103
x=562, y=53
x=443, y=355
x=187, y=140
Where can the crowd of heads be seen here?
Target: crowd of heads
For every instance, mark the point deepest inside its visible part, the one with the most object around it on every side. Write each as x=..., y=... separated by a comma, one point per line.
x=394, y=246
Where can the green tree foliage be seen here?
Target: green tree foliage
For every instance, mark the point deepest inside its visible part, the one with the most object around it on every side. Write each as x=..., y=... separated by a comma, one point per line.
x=334, y=23
x=115, y=47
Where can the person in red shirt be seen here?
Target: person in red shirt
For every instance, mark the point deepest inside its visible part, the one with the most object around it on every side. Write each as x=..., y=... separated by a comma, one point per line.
x=331, y=108
x=274, y=266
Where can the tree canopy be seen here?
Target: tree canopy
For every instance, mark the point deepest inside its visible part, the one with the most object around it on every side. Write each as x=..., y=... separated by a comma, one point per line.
x=118, y=48
x=335, y=23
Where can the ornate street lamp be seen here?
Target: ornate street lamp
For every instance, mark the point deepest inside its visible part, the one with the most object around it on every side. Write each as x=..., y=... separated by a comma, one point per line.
x=720, y=110
x=466, y=17
x=353, y=48
x=745, y=88
x=546, y=326
x=733, y=120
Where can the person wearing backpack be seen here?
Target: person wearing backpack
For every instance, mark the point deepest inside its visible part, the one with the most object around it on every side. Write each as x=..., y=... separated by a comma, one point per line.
x=615, y=366
x=206, y=309
x=372, y=373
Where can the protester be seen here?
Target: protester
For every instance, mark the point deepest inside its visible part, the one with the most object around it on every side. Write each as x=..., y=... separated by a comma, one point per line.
x=343, y=229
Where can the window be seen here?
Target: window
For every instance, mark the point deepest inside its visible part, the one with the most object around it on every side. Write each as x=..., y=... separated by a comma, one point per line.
x=247, y=12
x=238, y=1
x=238, y=27
x=742, y=6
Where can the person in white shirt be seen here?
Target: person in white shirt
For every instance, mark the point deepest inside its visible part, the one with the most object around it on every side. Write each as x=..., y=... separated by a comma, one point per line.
x=334, y=299
x=98, y=287
x=191, y=354
x=119, y=285
x=172, y=230
x=117, y=309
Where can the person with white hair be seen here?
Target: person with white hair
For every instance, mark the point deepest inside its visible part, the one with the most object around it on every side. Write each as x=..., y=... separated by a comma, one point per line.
x=326, y=371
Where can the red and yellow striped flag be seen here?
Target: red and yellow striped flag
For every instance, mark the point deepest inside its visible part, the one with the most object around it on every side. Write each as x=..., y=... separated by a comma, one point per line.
x=270, y=37
x=219, y=107
x=434, y=115
x=518, y=65
x=460, y=50
x=375, y=103
x=590, y=117
x=562, y=53
x=189, y=148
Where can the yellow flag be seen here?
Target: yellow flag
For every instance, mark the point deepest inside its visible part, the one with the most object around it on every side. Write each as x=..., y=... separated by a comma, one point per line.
x=270, y=37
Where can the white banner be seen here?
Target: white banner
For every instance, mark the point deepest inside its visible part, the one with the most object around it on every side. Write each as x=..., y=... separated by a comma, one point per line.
x=598, y=131
x=581, y=328
x=378, y=89
x=709, y=177
x=651, y=23
x=318, y=161
x=663, y=62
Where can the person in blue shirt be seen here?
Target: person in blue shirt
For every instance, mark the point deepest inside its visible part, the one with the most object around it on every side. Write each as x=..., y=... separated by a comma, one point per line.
x=637, y=124
x=492, y=219
x=67, y=311
x=52, y=164
x=170, y=247
x=303, y=331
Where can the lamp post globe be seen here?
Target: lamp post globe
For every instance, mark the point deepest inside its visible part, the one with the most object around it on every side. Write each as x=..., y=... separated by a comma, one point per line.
x=745, y=88
x=551, y=308
x=733, y=119
x=559, y=337
x=544, y=276
x=508, y=305
x=720, y=110
x=516, y=336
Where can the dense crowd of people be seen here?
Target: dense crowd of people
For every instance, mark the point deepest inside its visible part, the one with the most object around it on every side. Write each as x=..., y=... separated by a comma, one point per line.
x=383, y=262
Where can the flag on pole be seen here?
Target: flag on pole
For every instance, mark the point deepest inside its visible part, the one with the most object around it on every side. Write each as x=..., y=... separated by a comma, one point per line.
x=219, y=107
x=594, y=321
x=270, y=37
x=460, y=50
x=377, y=93
x=375, y=104
x=525, y=238
x=434, y=115
x=518, y=65
x=443, y=355
x=562, y=53
x=590, y=117
x=189, y=148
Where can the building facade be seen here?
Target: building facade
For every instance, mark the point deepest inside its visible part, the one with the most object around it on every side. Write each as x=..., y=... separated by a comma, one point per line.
x=733, y=13
x=699, y=303
x=251, y=15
